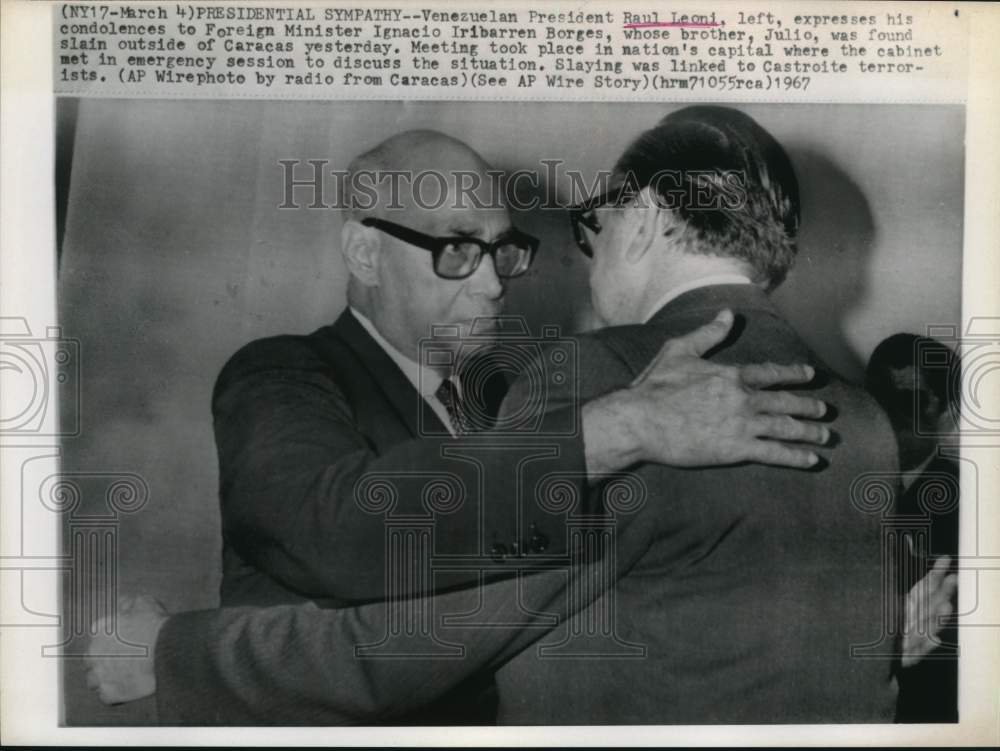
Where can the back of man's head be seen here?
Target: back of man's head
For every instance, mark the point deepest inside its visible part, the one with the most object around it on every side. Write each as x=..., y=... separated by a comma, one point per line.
x=729, y=181
x=915, y=379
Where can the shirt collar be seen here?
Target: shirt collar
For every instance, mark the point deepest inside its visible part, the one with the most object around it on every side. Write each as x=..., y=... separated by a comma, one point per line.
x=425, y=380
x=704, y=281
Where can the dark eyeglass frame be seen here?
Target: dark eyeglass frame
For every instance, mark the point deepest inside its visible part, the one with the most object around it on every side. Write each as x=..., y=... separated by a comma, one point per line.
x=437, y=245
x=583, y=214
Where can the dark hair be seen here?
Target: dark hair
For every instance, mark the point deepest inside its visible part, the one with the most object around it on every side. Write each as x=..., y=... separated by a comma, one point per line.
x=729, y=181
x=932, y=388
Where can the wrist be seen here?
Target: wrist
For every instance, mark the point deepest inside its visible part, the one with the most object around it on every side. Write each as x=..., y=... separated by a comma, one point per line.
x=612, y=436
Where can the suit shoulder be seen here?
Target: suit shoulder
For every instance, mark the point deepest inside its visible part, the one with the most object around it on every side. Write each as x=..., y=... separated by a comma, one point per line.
x=860, y=421
x=565, y=371
x=603, y=361
x=860, y=400
x=284, y=356
x=608, y=342
x=623, y=350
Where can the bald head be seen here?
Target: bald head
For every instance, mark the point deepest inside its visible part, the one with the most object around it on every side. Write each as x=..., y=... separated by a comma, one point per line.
x=417, y=170
x=424, y=186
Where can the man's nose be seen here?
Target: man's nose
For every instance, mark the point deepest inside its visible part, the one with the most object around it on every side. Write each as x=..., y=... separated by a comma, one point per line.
x=484, y=282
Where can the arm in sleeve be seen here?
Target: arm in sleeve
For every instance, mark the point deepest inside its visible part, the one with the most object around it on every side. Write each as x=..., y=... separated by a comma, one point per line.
x=296, y=664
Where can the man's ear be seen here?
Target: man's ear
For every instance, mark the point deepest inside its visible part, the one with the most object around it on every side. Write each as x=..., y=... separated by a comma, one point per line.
x=360, y=247
x=646, y=225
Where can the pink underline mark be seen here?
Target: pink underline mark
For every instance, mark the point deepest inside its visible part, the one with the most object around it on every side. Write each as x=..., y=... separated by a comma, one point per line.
x=670, y=25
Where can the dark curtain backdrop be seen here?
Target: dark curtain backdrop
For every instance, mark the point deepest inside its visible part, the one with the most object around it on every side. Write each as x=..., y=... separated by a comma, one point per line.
x=175, y=254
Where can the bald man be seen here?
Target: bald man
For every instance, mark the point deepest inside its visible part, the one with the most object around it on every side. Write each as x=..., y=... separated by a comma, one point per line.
x=327, y=443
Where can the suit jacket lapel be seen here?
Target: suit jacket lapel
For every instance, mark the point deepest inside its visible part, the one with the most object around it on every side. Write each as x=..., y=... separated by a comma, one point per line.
x=399, y=392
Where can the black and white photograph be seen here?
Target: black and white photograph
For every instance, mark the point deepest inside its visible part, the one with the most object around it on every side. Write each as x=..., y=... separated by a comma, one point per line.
x=712, y=324
x=457, y=375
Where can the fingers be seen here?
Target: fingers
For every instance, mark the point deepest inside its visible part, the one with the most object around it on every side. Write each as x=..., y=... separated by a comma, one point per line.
x=785, y=403
x=763, y=375
x=940, y=568
x=697, y=342
x=780, y=455
x=942, y=584
x=942, y=611
x=700, y=341
x=949, y=586
x=694, y=344
x=95, y=682
x=928, y=608
x=785, y=428
x=938, y=582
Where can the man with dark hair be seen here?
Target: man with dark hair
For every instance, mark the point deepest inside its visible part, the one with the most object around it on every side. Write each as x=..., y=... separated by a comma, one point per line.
x=728, y=181
x=758, y=581
x=915, y=379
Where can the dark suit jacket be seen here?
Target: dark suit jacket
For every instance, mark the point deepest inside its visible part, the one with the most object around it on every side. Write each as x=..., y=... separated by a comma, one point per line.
x=299, y=420
x=759, y=580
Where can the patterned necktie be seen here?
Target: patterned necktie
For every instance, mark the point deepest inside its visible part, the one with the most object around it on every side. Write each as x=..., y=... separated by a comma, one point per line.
x=447, y=394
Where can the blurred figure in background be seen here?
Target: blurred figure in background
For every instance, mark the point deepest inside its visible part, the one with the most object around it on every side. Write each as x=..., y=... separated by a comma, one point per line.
x=915, y=380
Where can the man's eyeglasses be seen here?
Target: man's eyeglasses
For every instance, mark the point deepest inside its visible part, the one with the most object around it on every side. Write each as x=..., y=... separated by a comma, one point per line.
x=584, y=215
x=459, y=257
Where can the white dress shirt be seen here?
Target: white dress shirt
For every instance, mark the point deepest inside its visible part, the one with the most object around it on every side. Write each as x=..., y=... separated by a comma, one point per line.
x=424, y=379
